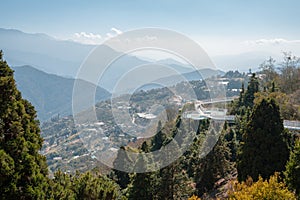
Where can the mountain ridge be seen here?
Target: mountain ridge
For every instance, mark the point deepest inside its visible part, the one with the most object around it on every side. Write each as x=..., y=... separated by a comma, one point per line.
x=49, y=93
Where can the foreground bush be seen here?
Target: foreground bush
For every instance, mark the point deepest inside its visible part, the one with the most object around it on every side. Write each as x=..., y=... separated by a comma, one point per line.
x=268, y=189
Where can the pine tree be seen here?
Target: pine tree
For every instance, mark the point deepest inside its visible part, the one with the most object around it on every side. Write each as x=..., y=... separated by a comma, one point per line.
x=122, y=162
x=253, y=87
x=231, y=139
x=23, y=169
x=158, y=139
x=61, y=187
x=174, y=181
x=273, y=87
x=94, y=186
x=246, y=98
x=292, y=173
x=264, y=149
x=143, y=185
x=83, y=186
x=145, y=148
x=213, y=166
x=242, y=93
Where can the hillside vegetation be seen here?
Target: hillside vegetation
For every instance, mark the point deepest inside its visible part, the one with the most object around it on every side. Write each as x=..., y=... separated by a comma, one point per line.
x=253, y=157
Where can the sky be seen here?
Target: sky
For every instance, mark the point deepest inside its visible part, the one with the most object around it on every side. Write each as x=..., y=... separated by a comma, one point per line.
x=221, y=27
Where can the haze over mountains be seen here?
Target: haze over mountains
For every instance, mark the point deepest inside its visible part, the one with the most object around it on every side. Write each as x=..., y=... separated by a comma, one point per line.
x=63, y=57
x=42, y=52
x=54, y=56
x=49, y=66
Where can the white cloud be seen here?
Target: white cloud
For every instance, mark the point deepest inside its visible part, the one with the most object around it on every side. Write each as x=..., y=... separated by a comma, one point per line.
x=114, y=32
x=94, y=39
x=275, y=41
x=87, y=35
x=87, y=38
x=117, y=31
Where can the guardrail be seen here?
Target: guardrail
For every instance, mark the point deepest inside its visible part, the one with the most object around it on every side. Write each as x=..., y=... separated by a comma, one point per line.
x=292, y=125
x=289, y=124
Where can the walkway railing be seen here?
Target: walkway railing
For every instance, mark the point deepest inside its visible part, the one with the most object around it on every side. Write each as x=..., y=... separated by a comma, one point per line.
x=201, y=114
x=292, y=125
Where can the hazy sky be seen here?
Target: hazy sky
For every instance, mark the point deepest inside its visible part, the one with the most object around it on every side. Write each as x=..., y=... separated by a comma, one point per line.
x=220, y=26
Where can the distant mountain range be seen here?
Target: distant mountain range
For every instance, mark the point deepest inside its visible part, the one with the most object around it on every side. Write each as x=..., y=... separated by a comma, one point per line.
x=43, y=52
x=64, y=58
x=50, y=94
x=191, y=76
x=49, y=68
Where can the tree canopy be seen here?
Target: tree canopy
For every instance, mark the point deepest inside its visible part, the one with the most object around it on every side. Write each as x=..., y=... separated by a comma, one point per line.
x=23, y=169
x=292, y=173
x=264, y=149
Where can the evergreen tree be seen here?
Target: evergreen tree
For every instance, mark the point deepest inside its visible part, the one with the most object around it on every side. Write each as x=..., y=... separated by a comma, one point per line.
x=143, y=185
x=158, y=139
x=292, y=173
x=83, y=186
x=192, y=155
x=242, y=93
x=273, y=89
x=122, y=162
x=23, y=169
x=253, y=87
x=264, y=149
x=174, y=181
x=231, y=139
x=93, y=187
x=213, y=166
x=145, y=148
x=246, y=98
x=61, y=187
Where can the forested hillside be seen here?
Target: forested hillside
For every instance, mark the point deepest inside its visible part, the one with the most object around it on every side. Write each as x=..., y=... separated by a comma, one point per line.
x=50, y=94
x=254, y=156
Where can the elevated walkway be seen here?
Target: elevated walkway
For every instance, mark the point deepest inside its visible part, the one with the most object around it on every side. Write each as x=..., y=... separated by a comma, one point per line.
x=201, y=113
